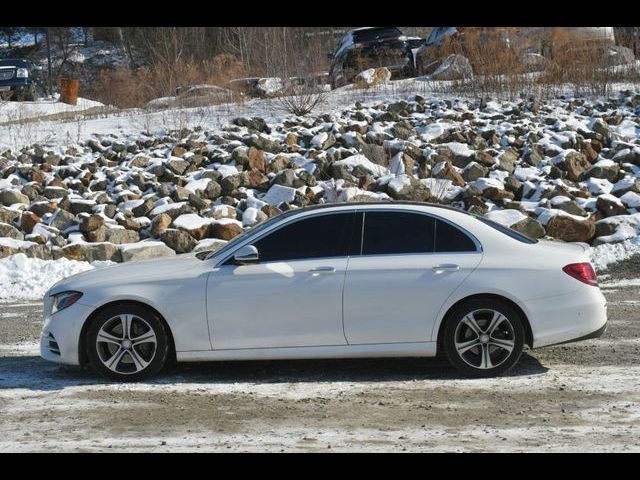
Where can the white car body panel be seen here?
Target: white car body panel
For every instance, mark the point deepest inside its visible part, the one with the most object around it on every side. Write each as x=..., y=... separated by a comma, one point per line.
x=391, y=306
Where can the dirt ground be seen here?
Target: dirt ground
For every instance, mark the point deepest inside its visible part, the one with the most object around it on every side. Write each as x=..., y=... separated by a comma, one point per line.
x=576, y=397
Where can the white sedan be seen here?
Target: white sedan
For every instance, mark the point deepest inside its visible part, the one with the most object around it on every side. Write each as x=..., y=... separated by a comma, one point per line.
x=333, y=281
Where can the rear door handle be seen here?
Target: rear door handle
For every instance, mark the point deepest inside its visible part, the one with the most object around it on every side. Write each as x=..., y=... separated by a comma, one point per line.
x=322, y=270
x=446, y=267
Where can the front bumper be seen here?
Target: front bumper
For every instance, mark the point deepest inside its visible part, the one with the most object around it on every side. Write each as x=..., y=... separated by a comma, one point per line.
x=60, y=336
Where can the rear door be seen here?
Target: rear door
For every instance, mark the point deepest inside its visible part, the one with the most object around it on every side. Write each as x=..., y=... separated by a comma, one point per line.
x=410, y=263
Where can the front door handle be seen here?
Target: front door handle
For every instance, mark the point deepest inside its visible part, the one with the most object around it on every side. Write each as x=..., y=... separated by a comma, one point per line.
x=322, y=270
x=446, y=267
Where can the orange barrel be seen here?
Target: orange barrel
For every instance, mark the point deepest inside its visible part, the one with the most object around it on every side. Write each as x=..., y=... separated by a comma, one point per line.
x=69, y=91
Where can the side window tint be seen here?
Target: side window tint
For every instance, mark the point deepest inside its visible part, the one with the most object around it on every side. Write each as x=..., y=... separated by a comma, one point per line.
x=315, y=237
x=452, y=239
x=397, y=233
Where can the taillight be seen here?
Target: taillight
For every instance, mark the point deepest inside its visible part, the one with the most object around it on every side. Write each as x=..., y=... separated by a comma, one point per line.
x=583, y=272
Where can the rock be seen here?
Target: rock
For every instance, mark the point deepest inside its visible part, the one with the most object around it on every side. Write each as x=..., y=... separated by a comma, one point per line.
x=97, y=235
x=575, y=164
x=507, y=160
x=92, y=252
x=121, y=235
x=256, y=159
x=91, y=223
x=11, y=197
x=178, y=240
x=529, y=227
x=28, y=220
x=7, y=251
x=570, y=229
x=159, y=223
x=497, y=194
x=601, y=127
x=177, y=165
x=55, y=192
x=454, y=67
x=372, y=76
x=618, y=55
x=213, y=190
x=144, y=208
x=264, y=143
x=145, y=250
x=10, y=231
x=447, y=171
x=474, y=171
x=603, y=169
x=255, y=123
x=287, y=178
x=8, y=215
x=610, y=206
x=194, y=224
x=62, y=220
x=226, y=231
x=406, y=187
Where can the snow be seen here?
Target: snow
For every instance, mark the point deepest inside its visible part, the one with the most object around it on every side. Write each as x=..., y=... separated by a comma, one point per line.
x=250, y=217
x=610, y=253
x=200, y=184
x=483, y=183
x=166, y=207
x=506, y=217
x=631, y=200
x=278, y=194
x=360, y=160
x=17, y=244
x=191, y=221
x=24, y=278
x=19, y=111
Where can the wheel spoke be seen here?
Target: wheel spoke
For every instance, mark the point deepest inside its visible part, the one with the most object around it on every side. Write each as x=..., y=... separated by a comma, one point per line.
x=126, y=325
x=486, y=357
x=507, y=345
x=470, y=321
x=114, y=361
x=148, y=337
x=105, y=337
x=462, y=347
x=495, y=321
x=138, y=361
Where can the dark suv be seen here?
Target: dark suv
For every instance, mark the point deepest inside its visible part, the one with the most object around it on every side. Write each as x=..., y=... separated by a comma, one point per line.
x=18, y=79
x=371, y=47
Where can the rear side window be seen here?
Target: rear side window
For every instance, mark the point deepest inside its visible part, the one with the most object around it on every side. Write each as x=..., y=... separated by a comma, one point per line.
x=452, y=239
x=387, y=233
x=315, y=237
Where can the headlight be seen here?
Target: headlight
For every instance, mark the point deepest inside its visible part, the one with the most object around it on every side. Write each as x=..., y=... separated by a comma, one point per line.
x=64, y=300
x=22, y=73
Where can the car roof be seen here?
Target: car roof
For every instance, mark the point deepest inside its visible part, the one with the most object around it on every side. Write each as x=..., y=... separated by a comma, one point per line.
x=377, y=203
x=18, y=62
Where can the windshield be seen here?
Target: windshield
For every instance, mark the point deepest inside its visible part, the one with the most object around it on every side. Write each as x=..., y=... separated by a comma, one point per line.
x=257, y=229
x=372, y=34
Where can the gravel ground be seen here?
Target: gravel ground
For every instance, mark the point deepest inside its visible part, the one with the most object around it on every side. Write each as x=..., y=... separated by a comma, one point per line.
x=576, y=397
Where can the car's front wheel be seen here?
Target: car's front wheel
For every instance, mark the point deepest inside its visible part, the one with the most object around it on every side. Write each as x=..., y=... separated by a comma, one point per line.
x=127, y=342
x=483, y=338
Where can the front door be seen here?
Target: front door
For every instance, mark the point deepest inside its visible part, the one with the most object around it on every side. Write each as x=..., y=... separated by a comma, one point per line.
x=293, y=296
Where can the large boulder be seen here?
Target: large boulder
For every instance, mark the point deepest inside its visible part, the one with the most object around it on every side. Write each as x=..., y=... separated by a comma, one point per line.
x=575, y=164
x=570, y=229
x=178, y=240
x=145, y=250
x=90, y=252
x=121, y=235
x=10, y=231
x=454, y=67
x=406, y=187
x=372, y=76
x=226, y=231
x=529, y=227
x=11, y=197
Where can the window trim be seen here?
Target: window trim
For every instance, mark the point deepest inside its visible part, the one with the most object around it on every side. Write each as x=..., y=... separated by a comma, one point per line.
x=285, y=223
x=473, y=238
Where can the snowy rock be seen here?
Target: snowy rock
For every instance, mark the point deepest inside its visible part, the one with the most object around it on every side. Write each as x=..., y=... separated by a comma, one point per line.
x=610, y=205
x=454, y=67
x=372, y=76
x=144, y=250
x=567, y=228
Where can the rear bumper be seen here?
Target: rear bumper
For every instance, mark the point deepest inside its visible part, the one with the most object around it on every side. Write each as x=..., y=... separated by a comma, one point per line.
x=573, y=317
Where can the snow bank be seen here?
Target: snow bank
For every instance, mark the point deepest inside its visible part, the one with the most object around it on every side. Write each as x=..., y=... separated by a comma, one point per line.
x=24, y=278
x=609, y=253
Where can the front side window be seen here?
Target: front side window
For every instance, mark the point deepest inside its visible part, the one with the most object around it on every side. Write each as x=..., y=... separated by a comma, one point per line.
x=315, y=237
x=388, y=233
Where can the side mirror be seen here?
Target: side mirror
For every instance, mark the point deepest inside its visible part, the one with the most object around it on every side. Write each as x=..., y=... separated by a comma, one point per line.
x=246, y=254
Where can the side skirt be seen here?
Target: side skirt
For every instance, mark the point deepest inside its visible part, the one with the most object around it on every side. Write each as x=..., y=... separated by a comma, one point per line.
x=422, y=349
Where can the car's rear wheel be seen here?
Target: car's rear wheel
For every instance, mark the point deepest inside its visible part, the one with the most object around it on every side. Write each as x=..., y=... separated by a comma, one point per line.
x=483, y=338
x=127, y=342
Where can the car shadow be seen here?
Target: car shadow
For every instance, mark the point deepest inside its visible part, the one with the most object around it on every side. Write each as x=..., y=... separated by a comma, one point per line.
x=34, y=373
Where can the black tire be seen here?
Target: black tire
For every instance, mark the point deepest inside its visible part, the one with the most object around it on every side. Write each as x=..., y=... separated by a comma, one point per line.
x=149, y=358
x=503, y=347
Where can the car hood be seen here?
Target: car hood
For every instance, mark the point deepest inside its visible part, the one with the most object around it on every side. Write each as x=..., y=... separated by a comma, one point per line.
x=123, y=273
